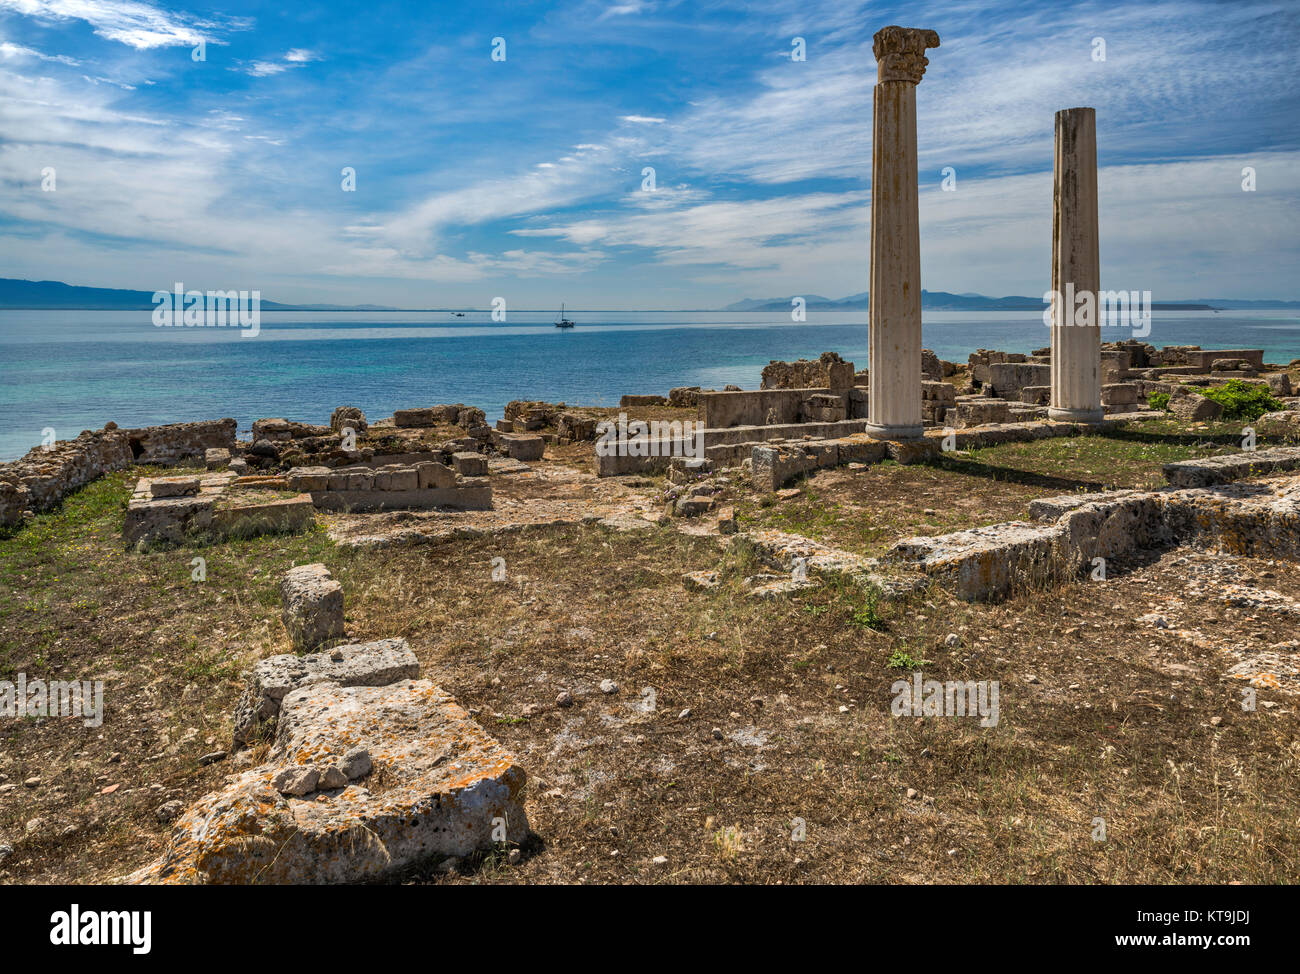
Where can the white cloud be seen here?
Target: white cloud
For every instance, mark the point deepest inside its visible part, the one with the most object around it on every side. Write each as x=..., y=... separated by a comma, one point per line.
x=132, y=22
x=262, y=69
x=8, y=50
x=643, y=119
x=295, y=58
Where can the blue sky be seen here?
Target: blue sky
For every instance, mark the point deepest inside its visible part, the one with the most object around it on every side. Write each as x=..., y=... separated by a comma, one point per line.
x=523, y=178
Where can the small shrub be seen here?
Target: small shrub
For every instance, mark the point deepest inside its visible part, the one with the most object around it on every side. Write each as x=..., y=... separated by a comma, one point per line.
x=1242, y=400
x=1158, y=400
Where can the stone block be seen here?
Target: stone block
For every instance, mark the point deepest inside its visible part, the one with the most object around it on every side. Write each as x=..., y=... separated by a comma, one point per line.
x=433, y=474
x=1006, y=379
x=373, y=664
x=468, y=495
x=312, y=606
x=1036, y=395
x=440, y=786
x=1206, y=471
x=1279, y=383
x=775, y=466
x=1119, y=393
x=822, y=407
x=308, y=478
x=414, y=418
x=521, y=446
x=470, y=464
x=627, y=401
x=174, y=486
x=980, y=412
x=862, y=450
x=405, y=478
x=1189, y=405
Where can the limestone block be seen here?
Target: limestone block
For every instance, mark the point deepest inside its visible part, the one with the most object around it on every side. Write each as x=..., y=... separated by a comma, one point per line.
x=414, y=418
x=282, y=430
x=405, y=478
x=312, y=606
x=361, y=479
x=823, y=407
x=309, y=478
x=470, y=464
x=862, y=450
x=1192, y=406
x=1008, y=378
x=1119, y=393
x=433, y=474
x=1205, y=471
x=776, y=466
x=1036, y=395
x=166, y=520
x=980, y=412
x=174, y=486
x=373, y=664
x=445, y=786
x=522, y=446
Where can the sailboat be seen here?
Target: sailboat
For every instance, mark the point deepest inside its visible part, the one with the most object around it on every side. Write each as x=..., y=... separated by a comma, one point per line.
x=563, y=322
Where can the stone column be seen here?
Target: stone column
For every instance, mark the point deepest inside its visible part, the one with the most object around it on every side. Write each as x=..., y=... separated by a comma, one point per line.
x=894, y=407
x=1076, y=271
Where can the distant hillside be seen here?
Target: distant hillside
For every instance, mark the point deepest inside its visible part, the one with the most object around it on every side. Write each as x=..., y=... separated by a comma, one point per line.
x=34, y=295
x=945, y=301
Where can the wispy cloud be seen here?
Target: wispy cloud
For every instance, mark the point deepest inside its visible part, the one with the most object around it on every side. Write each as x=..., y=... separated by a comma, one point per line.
x=468, y=178
x=131, y=22
x=296, y=58
x=8, y=50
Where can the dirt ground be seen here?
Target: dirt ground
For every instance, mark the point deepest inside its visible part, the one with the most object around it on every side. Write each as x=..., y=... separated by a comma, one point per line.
x=748, y=741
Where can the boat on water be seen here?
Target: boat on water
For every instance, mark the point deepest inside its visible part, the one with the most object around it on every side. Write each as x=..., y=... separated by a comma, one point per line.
x=563, y=322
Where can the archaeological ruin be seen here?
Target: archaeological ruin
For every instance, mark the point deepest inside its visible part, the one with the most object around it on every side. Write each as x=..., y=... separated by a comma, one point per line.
x=343, y=760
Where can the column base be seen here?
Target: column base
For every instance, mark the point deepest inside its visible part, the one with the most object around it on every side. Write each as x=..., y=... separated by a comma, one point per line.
x=1076, y=415
x=879, y=432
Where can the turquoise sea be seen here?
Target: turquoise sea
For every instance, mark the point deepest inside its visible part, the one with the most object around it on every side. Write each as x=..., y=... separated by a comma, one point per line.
x=75, y=370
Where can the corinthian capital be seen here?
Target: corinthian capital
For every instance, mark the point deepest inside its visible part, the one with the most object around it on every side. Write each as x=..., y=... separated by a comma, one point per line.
x=901, y=52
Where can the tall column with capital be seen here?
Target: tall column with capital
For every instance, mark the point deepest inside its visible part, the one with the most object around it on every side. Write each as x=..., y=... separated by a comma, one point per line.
x=1076, y=271
x=894, y=339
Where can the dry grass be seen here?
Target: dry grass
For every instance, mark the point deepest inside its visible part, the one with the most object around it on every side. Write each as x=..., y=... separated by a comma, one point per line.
x=1100, y=715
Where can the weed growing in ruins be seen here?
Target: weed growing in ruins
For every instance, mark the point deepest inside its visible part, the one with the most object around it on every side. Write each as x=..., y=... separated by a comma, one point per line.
x=1158, y=400
x=729, y=842
x=867, y=615
x=1242, y=400
x=901, y=659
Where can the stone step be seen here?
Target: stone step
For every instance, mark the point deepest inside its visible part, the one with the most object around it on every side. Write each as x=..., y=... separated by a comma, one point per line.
x=1236, y=466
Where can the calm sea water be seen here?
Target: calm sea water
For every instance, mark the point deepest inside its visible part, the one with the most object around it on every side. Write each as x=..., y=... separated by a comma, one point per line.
x=75, y=370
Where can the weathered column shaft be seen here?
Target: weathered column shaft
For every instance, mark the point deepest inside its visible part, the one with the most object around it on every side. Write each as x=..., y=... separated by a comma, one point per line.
x=1076, y=271
x=894, y=338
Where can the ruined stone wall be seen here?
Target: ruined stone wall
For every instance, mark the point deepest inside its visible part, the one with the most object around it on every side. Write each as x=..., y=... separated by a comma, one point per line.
x=42, y=478
x=181, y=441
x=828, y=372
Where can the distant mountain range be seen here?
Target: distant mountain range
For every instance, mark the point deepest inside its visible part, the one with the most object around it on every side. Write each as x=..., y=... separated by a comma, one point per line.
x=36, y=295
x=946, y=301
